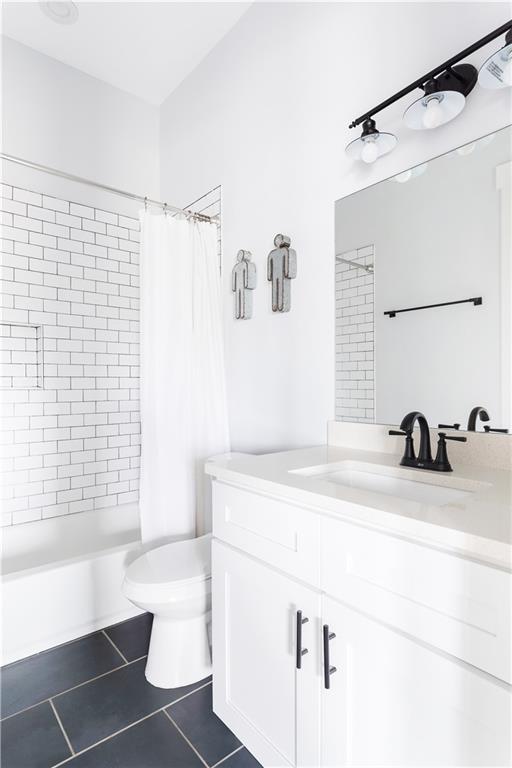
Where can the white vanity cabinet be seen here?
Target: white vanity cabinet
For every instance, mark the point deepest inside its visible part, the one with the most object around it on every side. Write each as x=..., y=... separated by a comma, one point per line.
x=259, y=692
x=394, y=701
x=408, y=629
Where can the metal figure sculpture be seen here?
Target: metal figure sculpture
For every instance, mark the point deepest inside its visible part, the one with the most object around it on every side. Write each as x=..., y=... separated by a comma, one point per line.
x=243, y=281
x=281, y=270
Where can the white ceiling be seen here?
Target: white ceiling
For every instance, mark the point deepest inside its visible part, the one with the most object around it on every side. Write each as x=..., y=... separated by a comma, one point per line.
x=146, y=49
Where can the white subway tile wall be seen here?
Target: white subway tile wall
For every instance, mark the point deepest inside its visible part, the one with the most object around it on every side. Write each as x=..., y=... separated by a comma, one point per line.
x=355, y=361
x=71, y=441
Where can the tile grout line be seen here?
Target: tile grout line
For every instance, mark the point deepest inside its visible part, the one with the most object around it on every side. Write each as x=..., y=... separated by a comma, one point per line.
x=228, y=756
x=185, y=738
x=127, y=727
x=106, y=738
x=188, y=694
x=67, y=690
x=115, y=646
x=57, y=716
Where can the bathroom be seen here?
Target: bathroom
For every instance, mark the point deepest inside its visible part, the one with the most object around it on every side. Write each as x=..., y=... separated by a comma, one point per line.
x=218, y=301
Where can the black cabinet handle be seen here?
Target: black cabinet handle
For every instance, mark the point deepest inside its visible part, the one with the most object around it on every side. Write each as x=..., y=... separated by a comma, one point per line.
x=328, y=670
x=300, y=652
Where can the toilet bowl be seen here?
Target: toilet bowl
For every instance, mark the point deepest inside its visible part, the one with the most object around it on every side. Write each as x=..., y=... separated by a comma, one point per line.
x=173, y=582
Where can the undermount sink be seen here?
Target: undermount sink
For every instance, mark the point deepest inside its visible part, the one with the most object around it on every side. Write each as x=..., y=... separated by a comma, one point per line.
x=394, y=481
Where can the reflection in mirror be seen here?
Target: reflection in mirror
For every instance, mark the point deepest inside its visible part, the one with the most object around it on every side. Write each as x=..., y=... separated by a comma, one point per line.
x=423, y=292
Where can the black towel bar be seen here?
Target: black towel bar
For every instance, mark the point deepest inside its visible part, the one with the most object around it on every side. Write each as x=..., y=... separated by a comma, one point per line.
x=476, y=300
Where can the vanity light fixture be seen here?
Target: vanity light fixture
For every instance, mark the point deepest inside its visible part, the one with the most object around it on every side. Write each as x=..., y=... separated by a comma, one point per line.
x=465, y=150
x=444, y=98
x=444, y=95
x=468, y=149
x=496, y=71
x=371, y=144
x=411, y=173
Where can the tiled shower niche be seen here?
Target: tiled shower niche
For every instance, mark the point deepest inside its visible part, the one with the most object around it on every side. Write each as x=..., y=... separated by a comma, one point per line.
x=21, y=356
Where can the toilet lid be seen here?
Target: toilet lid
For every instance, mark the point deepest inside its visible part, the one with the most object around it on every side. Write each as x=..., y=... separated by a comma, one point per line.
x=183, y=561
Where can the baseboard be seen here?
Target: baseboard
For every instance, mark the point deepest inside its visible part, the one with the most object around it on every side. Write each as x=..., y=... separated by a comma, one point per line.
x=69, y=634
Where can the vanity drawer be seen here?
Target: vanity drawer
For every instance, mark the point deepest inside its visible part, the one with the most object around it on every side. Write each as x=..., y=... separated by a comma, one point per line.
x=274, y=531
x=456, y=605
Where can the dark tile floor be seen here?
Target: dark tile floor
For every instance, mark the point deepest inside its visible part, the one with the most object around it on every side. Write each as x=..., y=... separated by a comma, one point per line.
x=87, y=704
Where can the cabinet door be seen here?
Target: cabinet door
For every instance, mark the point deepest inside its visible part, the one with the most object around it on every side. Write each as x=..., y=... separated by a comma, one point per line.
x=258, y=691
x=395, y=701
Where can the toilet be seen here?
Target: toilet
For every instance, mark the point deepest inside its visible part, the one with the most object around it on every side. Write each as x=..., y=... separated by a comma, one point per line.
x=173, y=582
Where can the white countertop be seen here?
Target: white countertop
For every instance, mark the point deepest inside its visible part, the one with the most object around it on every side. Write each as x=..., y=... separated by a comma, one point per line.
x=479, y=526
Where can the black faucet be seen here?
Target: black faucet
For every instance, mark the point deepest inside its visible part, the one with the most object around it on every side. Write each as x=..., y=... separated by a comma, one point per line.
x=424, y=459
x=407, y=426
x=473, y=416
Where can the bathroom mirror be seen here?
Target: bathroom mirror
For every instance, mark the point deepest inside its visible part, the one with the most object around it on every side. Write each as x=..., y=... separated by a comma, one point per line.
x=423, y=291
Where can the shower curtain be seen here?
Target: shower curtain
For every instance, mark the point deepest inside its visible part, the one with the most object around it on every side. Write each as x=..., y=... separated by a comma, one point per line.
x=183, y=392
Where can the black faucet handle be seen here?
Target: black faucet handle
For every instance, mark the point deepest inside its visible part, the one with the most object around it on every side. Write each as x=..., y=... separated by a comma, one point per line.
x=441, y=462
x=449, y=426
x=409, y=456
x=495, y=429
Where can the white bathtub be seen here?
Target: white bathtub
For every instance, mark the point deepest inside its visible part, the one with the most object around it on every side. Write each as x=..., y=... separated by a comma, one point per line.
x=61, y=577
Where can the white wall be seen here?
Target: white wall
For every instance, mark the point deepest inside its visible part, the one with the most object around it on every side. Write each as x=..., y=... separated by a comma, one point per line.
x=266, y=116
x=58, y=116
x=436, y=239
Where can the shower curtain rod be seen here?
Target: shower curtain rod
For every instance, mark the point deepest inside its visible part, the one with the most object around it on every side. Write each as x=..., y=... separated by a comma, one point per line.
x=113, y=190
x=367, y=267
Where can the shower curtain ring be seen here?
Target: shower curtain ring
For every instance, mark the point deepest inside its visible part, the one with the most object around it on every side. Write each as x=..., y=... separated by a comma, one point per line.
x=165, y=209
x=145, y=203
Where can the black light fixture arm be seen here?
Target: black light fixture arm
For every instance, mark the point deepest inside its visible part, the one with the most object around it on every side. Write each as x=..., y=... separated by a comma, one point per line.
x=420, y=82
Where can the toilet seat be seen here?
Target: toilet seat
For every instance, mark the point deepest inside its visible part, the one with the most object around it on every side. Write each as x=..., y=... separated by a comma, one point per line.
x=173, y=582
x=174, y=571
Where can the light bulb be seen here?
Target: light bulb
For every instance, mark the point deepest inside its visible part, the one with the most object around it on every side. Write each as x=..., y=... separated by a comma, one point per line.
x=369, y=152
x=411, y=173
x=403, y=177
x=486, y=140
x=467, y=149
x=371, y=144
x=433, y=115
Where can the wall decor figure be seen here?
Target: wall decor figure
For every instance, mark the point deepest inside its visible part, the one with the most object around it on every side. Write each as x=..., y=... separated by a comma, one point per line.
x=243, y=281
x=281, y=269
